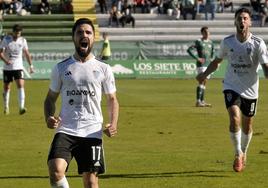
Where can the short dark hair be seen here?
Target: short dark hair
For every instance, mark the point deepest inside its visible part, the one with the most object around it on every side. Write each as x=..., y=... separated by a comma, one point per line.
x=243, y=9
x=203, y=29
x=16, y=28
x=81, y=21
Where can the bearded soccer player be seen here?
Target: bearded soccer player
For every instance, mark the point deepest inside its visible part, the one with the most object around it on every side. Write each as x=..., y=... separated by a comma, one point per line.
x=80, y=80
x=245, y=52
x=12, y=48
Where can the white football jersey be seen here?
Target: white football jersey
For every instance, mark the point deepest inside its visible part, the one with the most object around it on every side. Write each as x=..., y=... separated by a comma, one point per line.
x=81, y=86
x=13, y=51
x=244, y=59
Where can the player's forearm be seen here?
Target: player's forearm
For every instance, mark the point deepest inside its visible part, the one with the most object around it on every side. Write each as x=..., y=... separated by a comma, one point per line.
x=49, y=108
x=113, y=108
x=192, y=54
x=212, y=67
x=28, y=57
x=265, y=70
x=2, y=57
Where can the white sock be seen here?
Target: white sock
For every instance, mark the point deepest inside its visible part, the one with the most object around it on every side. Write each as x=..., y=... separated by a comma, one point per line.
x=6, y=98
x=245, y=140
x=236, y=140
x=21, y=97
x=63, y=183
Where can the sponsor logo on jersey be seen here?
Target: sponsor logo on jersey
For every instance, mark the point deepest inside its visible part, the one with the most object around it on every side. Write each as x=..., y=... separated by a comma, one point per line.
x=241, y=65
x=80, y=92
x=229, y=96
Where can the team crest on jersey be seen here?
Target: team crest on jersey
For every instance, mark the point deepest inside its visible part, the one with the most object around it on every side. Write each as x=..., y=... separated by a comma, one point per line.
x=249, y=51
x=96, y=74
x=229, y=96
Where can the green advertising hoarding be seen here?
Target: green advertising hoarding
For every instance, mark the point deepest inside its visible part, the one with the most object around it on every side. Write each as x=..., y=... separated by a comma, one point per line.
x=184, y=68
x=128, y=60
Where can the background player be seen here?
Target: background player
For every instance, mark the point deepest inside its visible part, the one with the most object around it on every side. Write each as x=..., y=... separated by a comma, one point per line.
x=12, y=48
x=203, y=52
x=245, y=52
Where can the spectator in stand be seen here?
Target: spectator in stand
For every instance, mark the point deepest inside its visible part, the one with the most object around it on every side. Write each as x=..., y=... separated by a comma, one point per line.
x=210, y=7
x=260, y=9
x=263, y=12
x=66, y=6
x=103, y=6
x=143, y=4
x=256, y=5
x=114, y=16
x=188, y=7
x=131, y=4
x=127, y=17
x=171, y=8
x=5, y=7
x=119, y=5
x=44, y=7
x=200, y=7
x=155, y=6
x=11, y=6
x=226, y=4
x=27, y=5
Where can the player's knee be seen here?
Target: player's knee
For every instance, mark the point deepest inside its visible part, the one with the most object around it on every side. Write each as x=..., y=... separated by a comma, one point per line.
x=63, y=183
x=55, y=176
x=90, y=180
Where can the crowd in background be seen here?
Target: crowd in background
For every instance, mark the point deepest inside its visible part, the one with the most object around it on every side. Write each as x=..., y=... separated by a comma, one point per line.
x=121, y=11
x=25, y=7
x=179, y=9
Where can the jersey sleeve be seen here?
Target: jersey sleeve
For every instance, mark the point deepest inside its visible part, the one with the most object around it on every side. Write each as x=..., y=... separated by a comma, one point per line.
x=108, y=84
x=192, y=51
x=3, y=43
x=263, y=54
x=25, y=45
x=55, y=81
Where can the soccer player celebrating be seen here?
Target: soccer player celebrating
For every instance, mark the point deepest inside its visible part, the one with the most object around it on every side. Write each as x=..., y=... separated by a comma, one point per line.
x=80, y=79
x=245, y=52
x=12, y=48
x=203, y=52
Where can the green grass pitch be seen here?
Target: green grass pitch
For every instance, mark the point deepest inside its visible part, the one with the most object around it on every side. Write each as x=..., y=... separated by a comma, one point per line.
x=162, y=141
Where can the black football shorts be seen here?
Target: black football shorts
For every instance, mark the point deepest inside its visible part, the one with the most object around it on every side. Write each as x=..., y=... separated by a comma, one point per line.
x=247, y=106
x=10, y=75
x=88, y=152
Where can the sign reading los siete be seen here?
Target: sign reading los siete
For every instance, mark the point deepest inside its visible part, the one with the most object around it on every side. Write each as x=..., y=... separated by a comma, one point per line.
x=157, y=69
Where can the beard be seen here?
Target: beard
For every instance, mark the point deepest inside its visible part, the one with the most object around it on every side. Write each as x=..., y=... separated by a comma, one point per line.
x=83, y=48
x=81, y=52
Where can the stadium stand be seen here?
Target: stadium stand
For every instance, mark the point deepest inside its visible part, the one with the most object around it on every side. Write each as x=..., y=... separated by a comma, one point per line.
x=148, y=27
x=51, y=27
x=153, y=27
x=42, y=28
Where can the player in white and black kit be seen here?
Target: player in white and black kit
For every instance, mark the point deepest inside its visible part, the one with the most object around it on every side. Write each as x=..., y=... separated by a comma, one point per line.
x=80, y=80
x=245, y=52
x=12, y=48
